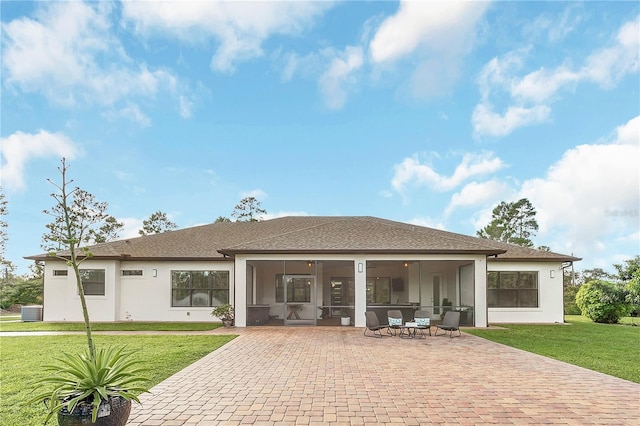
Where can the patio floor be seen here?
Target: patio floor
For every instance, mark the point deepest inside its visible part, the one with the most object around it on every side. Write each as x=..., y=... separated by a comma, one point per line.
x=336, y=376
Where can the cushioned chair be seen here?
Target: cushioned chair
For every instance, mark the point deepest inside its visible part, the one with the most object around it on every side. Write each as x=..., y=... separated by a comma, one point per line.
x=395, y=320
x=423, y=320
x=450, y=323
x=373, y=324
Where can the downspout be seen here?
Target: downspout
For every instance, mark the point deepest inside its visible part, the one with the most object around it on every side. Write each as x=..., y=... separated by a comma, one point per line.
x=564, y=266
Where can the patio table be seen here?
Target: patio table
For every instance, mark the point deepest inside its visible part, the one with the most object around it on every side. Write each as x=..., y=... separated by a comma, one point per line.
x=409, y=330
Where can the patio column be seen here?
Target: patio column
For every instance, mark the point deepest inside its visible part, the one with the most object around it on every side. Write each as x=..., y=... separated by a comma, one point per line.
x=360, y=274
x=239, y=296
x=480, y=279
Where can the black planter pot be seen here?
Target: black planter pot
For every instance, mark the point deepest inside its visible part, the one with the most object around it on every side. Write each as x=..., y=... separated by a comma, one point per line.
x=114, y=412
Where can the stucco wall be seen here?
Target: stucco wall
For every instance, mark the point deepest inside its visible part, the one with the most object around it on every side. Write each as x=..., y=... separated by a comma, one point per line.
x=550, y=295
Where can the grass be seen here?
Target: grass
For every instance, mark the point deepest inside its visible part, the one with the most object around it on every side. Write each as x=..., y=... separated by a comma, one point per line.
x=23, y=357
x=608, y=348
x=109, y=326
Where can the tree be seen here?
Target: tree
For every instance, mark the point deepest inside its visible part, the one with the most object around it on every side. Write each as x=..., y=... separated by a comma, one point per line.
x=248, y=210
x=602, y=301
x=512, y=223
x=222, y=219
x=594, y=274
x=157, y=223
x=77, y=216
x=628, y=269
x=109, y=231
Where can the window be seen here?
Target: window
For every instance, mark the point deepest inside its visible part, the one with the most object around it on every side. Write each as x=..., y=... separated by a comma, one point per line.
x=298, y=289
x=378, y=291
x=199, y=288
x=507, y=289
x=93, y=282
x=132, y=272
x=60, y=272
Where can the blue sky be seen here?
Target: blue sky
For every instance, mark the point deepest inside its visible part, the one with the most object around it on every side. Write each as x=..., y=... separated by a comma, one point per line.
x=423, y=112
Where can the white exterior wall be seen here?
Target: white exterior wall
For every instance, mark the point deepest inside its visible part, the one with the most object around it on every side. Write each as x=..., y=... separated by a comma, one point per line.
x=61, y=299
x=550, y=294
x=133, y=298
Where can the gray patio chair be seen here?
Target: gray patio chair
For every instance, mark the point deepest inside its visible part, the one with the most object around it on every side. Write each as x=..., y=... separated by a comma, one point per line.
x=395, y=320
x=423, y=320
x=373, y=324
x=450, y=323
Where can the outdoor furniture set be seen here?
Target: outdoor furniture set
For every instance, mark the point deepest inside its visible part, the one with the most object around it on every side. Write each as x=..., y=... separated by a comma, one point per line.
x=396, y=326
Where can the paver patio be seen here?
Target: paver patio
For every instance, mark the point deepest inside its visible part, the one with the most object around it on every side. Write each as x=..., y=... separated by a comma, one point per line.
x=336, y=376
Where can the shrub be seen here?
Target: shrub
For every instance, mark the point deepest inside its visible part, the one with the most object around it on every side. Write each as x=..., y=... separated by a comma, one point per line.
x=602, y=301
x=570, y=307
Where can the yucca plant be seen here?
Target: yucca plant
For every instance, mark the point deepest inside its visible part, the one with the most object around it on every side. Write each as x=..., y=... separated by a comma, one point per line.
x=79, y=379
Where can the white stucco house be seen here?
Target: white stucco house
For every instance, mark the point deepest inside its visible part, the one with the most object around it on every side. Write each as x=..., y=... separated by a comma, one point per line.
x=311, y=271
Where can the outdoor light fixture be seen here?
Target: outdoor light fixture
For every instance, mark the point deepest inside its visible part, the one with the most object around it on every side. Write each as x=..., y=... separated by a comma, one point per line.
x=405, y=264
x=360, y=267
x=309, y=264
x=154, y=272
x=552, y=273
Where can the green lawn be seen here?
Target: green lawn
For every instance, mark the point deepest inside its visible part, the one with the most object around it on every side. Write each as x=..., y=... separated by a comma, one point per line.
x=22, y=357
x=609, y=348
x=109, y=326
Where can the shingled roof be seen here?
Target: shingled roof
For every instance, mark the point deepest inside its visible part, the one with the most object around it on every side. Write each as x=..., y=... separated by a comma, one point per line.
x=310, y=235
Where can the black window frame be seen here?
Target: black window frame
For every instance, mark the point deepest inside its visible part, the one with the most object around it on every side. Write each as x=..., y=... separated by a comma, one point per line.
x=189, y=283
x=513, y=289
x=94, y=281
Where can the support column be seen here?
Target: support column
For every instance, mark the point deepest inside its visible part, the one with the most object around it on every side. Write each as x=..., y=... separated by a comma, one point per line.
x=239, y=292
x=480, y=291
x=360, y=274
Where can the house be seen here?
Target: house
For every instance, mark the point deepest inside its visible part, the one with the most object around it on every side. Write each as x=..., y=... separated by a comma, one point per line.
x=309, y=270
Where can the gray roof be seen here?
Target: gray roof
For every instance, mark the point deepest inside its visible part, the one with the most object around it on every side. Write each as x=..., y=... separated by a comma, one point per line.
x=308, y=234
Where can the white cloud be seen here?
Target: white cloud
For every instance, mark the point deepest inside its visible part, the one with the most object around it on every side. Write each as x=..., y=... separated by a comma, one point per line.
x=336, y=80
x=412, y=172
x=284, y=213
x=68, y=53
x=239, y=27
x=19, y=148
x=427, y=221
x=479, y=194
x=131, y=227
x=531, y=93
x=437, y=34
x=592, y=193
x=258, y=194
x=488, y=122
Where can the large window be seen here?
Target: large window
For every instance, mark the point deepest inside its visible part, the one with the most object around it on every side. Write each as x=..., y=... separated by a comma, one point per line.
x=379, y=291
x=93, y=282
x=199, y=288
x=298, y=289
x=508, y=289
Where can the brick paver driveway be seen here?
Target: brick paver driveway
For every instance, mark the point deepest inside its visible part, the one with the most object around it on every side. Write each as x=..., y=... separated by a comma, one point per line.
x=335, y=376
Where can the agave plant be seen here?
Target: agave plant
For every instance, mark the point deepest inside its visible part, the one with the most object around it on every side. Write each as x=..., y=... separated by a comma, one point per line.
x=80, y=379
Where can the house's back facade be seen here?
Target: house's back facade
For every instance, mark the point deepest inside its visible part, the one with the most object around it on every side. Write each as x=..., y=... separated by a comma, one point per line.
x=311, y=271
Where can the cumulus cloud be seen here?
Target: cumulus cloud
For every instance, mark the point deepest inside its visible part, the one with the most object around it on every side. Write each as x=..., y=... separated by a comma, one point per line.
x=240, y=28
x=532, y=93
x=412, y=172
x=68, y=52
x=19, y=148
x=436, y=34
x=479, y=194
x=336, y=80
x=593, y=191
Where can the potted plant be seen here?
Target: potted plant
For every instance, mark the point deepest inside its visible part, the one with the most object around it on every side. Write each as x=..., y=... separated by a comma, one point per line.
x=86, y=390
x=225, y=313
x=97, y=386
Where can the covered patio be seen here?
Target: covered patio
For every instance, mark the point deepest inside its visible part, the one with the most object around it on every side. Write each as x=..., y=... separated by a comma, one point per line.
x=326, y=290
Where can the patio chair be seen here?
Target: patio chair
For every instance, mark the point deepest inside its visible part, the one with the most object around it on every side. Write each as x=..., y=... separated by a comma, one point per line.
x=423, y=320
x=450, y=323
x=396, y=320
x=373, y=324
